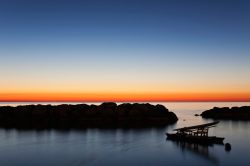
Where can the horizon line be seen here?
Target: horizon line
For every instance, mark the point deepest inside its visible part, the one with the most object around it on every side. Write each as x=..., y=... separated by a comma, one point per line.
x=116, y=101
x=122, y=97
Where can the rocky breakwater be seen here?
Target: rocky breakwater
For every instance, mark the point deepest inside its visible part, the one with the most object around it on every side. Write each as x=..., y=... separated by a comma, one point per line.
x=234, y=113
x=83, y=115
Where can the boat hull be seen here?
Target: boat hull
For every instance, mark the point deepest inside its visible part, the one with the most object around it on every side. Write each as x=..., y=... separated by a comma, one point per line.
x=195, y=139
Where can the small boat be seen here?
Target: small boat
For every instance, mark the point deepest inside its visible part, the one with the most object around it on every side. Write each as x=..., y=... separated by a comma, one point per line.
x=195, y=134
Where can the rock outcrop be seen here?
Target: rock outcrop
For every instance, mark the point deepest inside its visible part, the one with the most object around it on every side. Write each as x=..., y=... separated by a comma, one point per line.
x=234, y=113
x=83, y=115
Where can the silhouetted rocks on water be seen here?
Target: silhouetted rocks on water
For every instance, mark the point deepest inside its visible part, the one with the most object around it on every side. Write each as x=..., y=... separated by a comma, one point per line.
x=234, y=113
x=83, y=115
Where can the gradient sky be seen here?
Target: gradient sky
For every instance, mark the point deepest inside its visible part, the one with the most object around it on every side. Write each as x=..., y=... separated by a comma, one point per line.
x=124, y=50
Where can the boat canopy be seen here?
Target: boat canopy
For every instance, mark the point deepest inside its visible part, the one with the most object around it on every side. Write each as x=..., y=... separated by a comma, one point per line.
x=206, y=125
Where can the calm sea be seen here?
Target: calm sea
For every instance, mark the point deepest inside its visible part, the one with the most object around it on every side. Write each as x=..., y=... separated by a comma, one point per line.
x=149, y=147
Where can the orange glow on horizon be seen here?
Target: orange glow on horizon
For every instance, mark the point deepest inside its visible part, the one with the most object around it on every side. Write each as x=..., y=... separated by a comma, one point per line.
x=122, y=97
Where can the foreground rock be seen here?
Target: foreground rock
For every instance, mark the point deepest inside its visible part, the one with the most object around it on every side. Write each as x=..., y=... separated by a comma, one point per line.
x=234, y=113
x=83, y=115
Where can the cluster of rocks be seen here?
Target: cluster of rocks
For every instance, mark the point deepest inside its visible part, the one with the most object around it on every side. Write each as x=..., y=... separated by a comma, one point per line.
x=234, y=113
x=83, y=115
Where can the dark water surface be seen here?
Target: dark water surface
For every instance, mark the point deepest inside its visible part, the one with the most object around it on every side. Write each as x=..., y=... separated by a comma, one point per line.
x=131, y=147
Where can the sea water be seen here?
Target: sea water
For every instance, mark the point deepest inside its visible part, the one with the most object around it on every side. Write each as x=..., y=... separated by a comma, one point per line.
x=145, y=146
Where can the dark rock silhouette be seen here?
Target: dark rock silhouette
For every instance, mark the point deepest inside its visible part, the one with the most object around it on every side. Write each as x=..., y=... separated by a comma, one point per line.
x=234, y=113
x=83, y=115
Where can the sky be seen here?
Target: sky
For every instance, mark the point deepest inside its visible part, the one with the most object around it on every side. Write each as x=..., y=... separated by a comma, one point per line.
x=124, y=50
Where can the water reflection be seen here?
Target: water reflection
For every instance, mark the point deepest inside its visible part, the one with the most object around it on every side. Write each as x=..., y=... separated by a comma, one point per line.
x=145, y=146
x=201, y=150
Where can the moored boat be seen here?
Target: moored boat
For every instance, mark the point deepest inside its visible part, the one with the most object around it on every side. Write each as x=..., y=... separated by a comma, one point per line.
x=195, y=134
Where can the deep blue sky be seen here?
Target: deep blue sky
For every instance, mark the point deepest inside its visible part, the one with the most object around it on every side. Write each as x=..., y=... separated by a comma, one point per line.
x=174, y=21
x=145, y=44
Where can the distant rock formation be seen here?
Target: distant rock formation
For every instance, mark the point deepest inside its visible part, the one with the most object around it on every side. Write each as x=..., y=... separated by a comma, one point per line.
x=83, y=115
x=234, y=113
